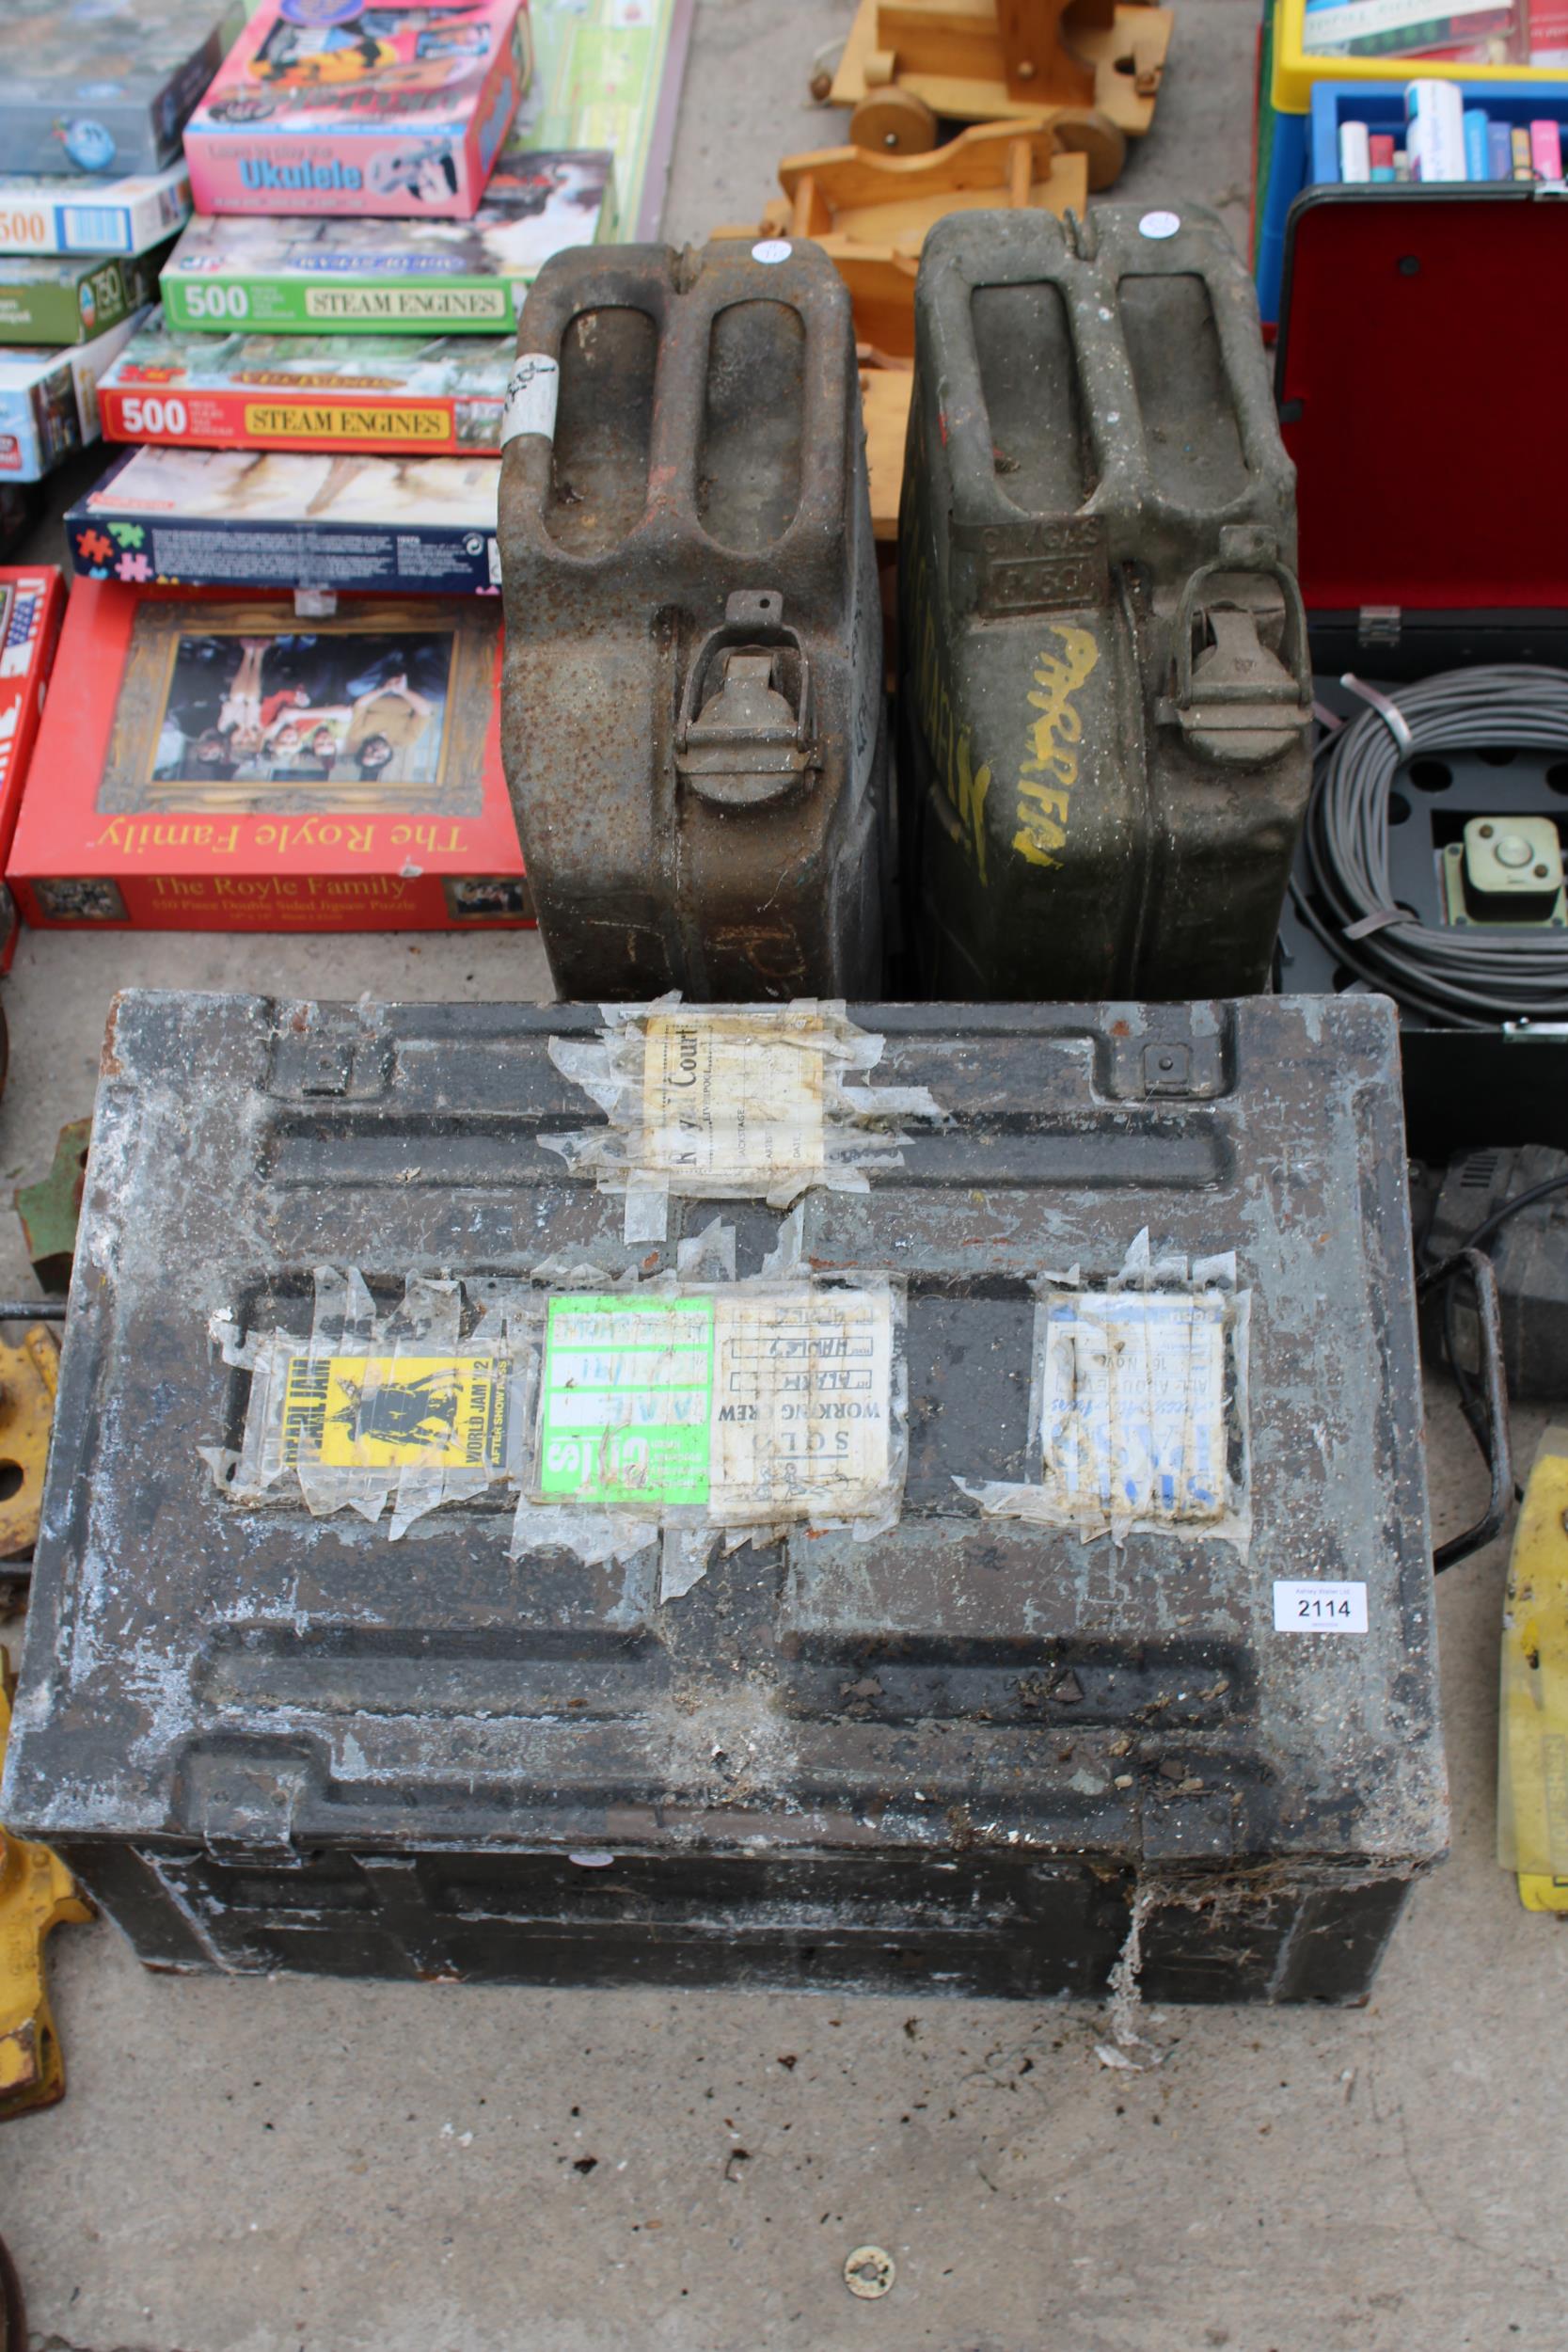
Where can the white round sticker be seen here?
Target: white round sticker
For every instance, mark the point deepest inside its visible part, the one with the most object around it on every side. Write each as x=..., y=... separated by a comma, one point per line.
x=772, y=250
x=1159, y=224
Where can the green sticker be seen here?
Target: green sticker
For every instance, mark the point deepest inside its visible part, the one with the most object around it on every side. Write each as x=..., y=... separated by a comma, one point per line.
x=627, y=1398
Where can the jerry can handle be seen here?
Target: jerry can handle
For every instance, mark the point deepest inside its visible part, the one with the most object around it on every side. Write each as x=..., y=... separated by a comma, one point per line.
x=1293, y=647
x=752, y=618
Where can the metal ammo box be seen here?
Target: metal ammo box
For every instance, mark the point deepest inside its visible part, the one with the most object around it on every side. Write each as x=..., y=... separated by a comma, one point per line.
x=692, y=717
x=1097, y=1324
x=1105, y=702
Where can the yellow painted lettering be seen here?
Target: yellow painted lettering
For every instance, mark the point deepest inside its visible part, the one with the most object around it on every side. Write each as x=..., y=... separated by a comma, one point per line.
x=1027, y=847
x=1042, y=806
x=1048, y=799
x=973, y=785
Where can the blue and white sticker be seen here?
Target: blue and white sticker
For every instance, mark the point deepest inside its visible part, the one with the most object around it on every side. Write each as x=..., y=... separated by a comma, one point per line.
x=1134, y=1406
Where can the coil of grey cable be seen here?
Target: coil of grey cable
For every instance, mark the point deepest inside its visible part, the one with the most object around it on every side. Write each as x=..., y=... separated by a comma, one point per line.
x=1459, y=977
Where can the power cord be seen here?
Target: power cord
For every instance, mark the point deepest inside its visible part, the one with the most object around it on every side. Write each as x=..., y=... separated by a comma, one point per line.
x=1484, y=1404
x=1464, y=978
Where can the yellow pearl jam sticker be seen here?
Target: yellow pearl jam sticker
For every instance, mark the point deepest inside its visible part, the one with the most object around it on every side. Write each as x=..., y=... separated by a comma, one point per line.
x=735, y=1097
x=396, y=1412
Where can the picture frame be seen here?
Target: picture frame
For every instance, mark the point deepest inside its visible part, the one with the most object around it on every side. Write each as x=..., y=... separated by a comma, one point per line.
x=246, y=708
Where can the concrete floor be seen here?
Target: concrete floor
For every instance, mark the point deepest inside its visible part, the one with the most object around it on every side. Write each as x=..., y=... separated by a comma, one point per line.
x=255, y=2166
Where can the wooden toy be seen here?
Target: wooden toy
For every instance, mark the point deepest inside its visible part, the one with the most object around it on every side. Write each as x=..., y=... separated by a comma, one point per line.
x=908, y=63
x=871, y=211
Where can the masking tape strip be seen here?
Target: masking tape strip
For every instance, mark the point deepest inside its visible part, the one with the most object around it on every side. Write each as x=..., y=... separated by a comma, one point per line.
x=1380, y=919
x=753, y=1101
x=617, y=1411
x=532, y=391
x=1137, y=1415
x=1389, y=712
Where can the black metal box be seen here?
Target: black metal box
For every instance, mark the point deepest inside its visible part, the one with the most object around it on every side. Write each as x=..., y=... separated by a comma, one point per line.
x=983, y=1748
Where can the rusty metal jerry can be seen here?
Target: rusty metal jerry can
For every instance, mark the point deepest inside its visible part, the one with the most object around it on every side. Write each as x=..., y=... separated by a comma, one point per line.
x=1105, y=699
x=693, y=717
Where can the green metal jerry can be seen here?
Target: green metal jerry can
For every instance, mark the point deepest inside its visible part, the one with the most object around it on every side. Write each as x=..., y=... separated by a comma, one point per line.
x=693, y=715
x=1105, y=705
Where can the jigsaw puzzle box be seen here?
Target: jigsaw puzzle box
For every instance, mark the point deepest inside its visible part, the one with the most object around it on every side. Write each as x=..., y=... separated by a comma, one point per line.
x=40, y=215
x=103, y=87
x=350, y=106
x=293, y=519
x=367, y=277
x=390, y=393
x=224, y=763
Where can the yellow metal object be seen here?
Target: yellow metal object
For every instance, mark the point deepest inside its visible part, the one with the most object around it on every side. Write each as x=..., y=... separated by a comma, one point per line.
x=1532, y=1779
x=37, y=1892
x=29, y=1375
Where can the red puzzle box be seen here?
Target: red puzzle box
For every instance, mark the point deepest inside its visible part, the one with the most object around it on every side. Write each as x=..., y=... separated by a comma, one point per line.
x=220, y=762
x=31, y=602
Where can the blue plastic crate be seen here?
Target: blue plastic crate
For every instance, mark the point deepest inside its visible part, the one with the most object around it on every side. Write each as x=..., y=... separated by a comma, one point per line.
x=1304, y=149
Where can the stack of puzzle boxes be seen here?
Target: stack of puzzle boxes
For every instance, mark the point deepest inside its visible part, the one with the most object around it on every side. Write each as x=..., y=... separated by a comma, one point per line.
x=91, y=108
x=283, y=642
x=92, y=104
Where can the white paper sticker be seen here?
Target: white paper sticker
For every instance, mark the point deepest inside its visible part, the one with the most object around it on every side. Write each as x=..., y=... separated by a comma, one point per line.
x=772, y=250
x=1138, y=1404
x=801, y=1403
x=1313, y=1605
x=530, y=397
x=1132, y=1409
x=734, y=1097
x=1158, y=225
x=748, y=1101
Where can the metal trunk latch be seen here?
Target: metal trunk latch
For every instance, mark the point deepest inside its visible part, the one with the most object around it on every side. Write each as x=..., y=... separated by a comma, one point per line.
x=746, y=744
x=1237, y=701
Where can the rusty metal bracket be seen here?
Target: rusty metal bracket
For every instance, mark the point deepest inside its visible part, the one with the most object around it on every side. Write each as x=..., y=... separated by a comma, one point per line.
x=37, y=1892
x=49, y=1210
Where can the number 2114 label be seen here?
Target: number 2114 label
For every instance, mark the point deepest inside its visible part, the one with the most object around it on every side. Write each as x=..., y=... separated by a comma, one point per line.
x=1313, y=1605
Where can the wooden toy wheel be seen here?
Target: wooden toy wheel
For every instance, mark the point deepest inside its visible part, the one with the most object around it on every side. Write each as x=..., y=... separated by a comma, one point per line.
x=1085, y=131
x=891, y=121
